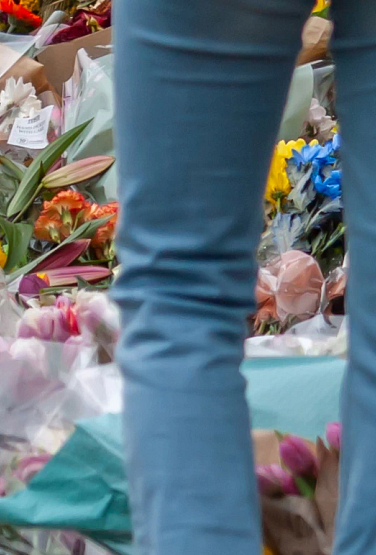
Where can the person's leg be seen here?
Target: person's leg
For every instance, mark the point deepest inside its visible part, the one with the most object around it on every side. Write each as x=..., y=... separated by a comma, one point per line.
x=200, y=88
x=355, y=56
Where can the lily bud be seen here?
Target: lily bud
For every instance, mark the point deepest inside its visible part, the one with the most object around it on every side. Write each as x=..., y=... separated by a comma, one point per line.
x=61, y=277
x=297, y=457
x=77, y=172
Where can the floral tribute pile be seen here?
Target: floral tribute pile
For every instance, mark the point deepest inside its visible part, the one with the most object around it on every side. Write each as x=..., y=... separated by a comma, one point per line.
x=302, y=250
x=85, y=18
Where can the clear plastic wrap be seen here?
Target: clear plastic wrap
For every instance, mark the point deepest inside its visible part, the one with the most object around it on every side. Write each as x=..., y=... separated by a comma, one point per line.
x=89, y=95
x=43, y=100
x=46, y=389
x=289, y=288
x=13, y=47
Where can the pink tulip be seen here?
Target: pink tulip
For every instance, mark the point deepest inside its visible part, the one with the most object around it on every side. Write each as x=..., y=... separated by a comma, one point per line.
x=297, y=457
x=333, y=435
x=96, y=313
x=47, y=323
x=273, y=480
x=28, y=467
x=63, y=302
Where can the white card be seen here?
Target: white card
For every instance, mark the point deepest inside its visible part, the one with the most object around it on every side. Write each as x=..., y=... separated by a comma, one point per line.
x=31, y=132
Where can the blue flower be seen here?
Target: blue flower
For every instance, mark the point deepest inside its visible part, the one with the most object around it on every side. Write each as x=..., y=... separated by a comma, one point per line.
x=330, y=187
x=337, y=142
x=324, y=158
x=306, y=155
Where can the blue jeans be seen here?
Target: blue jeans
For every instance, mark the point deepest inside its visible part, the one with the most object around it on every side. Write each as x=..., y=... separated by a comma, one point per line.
x=200, y=89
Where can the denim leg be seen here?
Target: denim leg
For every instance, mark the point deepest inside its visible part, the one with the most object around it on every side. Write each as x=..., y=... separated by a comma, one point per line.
x=355, y=53
x=200, y=87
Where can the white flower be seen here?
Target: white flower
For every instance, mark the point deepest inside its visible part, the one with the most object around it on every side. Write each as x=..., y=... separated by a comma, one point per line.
x=17, y=100
x=321, y=123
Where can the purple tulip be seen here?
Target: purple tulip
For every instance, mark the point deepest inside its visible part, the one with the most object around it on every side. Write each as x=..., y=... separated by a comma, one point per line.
x=333, y=435
x=297, y=457
x=28, y=467
x=273, y=480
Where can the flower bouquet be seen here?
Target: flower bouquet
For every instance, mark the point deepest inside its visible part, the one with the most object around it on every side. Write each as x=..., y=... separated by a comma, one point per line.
x=15, y=17
x=303, y=240
x=47, y=225
x=87, y=18
x=46, y=388
x=298, y=484
x=316, y=34
x=19, y=105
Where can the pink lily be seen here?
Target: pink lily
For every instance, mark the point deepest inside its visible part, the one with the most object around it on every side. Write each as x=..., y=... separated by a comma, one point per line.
x=64, y=255
x=61, y=277
x=77, y=172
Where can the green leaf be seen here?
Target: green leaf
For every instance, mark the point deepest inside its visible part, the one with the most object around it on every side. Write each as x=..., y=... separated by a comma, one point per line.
x=83, y=284
x=318, y=242
x=8, y=187
x=325, y=13
x=306, y=486
x=18, y=238
x=12, y=167
x=37, y=169
x=85, y=231
x=337, y=234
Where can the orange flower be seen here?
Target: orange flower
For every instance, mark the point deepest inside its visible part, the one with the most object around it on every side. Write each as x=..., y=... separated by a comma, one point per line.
x=19, y=12
x=104, y=237
x=89, y=212
x=107, y=231
x=47, y=229
x=64, y=202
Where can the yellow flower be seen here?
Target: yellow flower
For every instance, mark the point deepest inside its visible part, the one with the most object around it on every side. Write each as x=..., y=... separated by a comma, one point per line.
x=3, y=258
x=278, y=185
x=321, y=5
x=31, y=5
x=285, y=149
